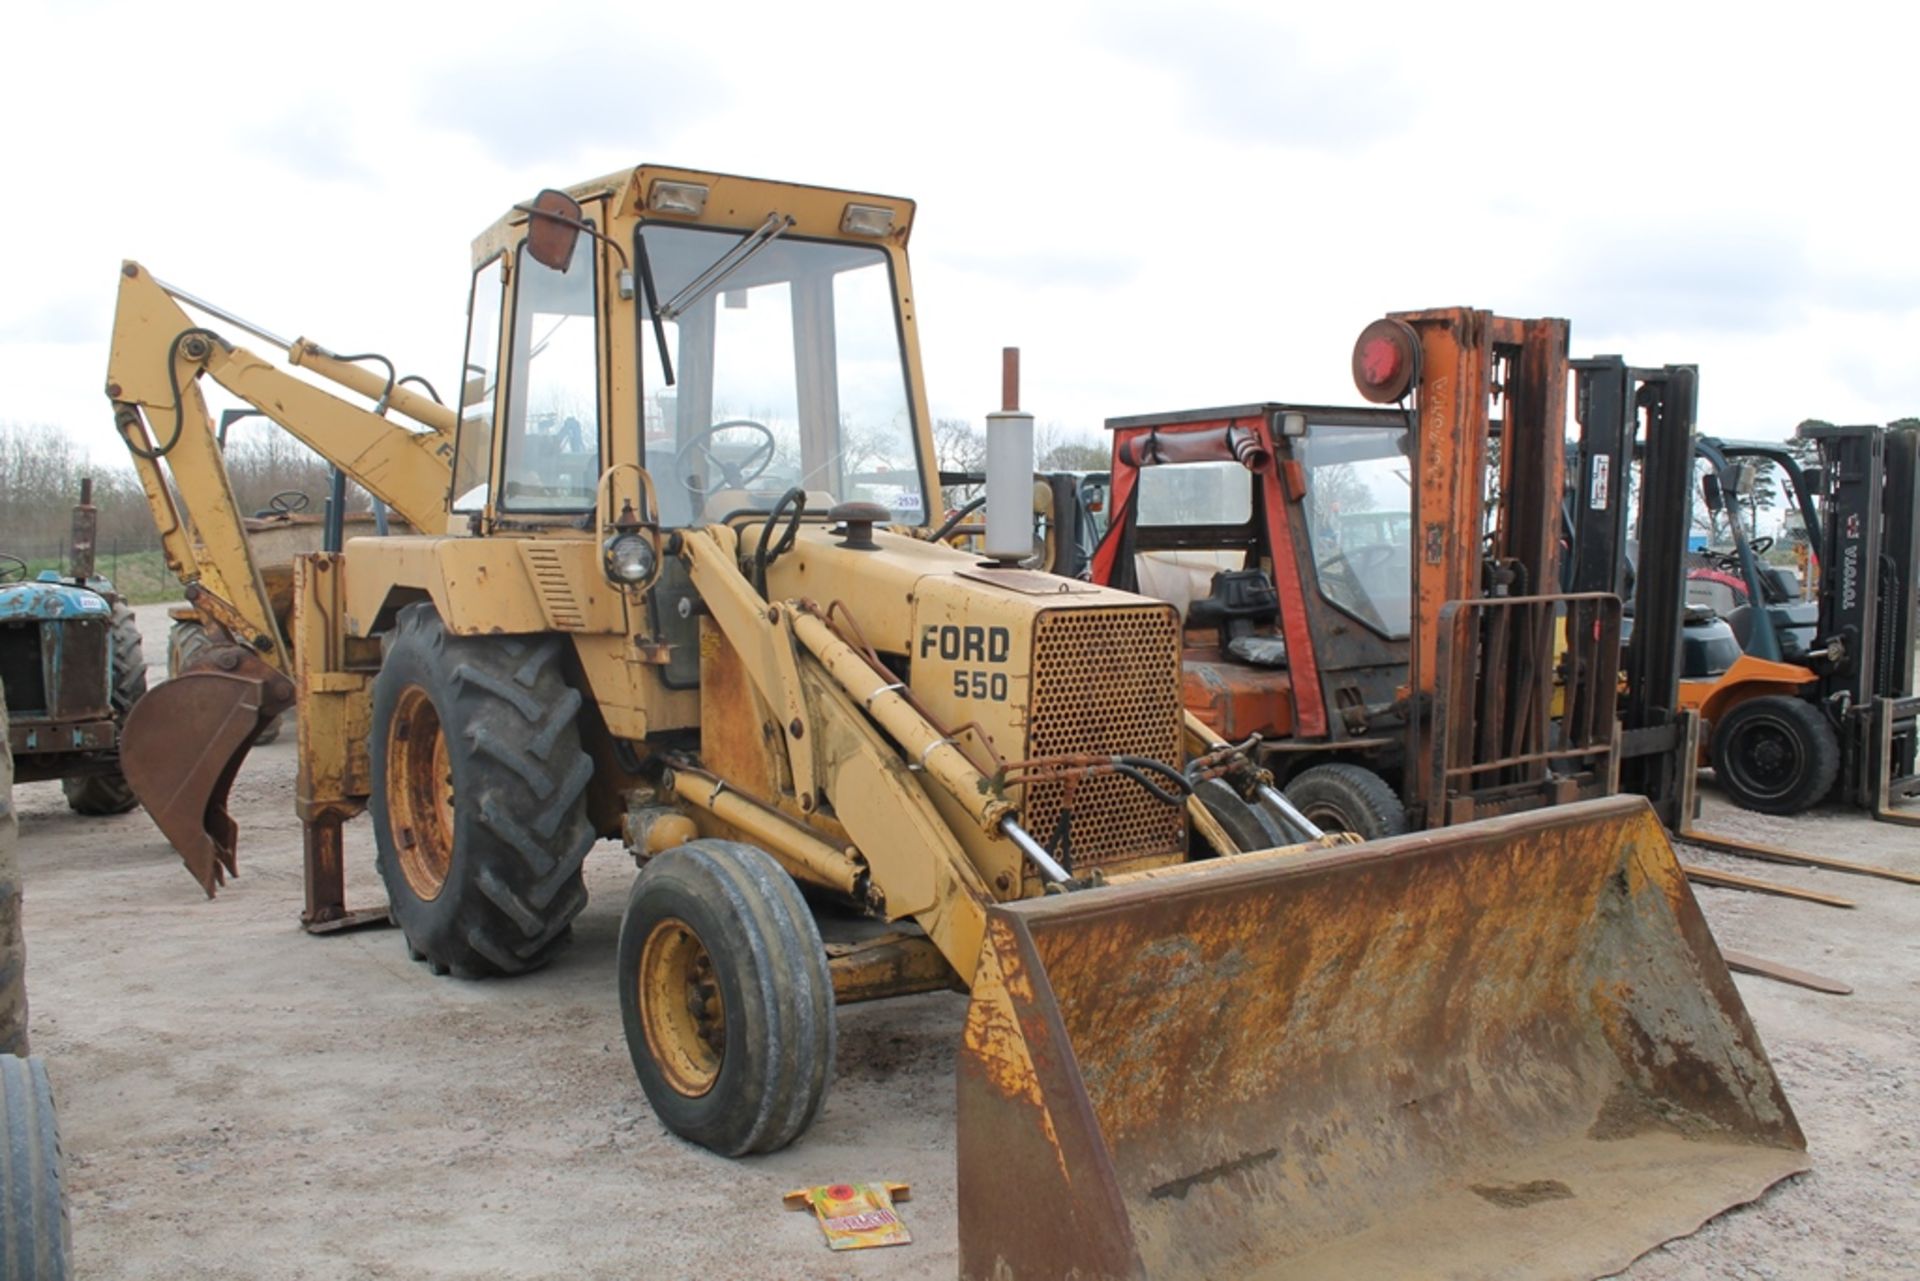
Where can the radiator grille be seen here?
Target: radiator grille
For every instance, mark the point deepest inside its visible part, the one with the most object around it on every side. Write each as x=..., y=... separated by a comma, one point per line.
x=1107, y=681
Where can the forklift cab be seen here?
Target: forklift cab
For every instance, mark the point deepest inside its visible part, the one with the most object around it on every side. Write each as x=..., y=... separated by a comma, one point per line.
x=1283, y=535
x=1759, y=601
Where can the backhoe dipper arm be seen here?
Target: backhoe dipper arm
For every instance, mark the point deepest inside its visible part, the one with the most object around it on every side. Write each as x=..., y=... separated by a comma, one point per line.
x=182, y=744
x=158, y=355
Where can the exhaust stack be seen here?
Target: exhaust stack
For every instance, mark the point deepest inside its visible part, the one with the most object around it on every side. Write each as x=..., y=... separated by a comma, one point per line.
x=1009, y=470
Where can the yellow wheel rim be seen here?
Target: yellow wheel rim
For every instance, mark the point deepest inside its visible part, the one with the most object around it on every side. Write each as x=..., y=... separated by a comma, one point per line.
x=681, y=1008
x=419, y=786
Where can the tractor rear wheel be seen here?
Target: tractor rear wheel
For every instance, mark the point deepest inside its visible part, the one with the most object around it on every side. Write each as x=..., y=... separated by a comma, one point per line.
x=101, y=794
x=1343, y=797
x=479, y=796
x=1775, y=754
x=726, y=998
x=36, y=1235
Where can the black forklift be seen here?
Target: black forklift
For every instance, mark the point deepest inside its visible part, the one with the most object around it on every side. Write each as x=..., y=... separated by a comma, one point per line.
x=1801, y=702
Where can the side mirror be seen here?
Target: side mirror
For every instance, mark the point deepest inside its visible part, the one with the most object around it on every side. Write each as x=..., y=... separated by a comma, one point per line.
x=1815, y=479
x=554, y=224
x=1744, y=477
x=1710, y=493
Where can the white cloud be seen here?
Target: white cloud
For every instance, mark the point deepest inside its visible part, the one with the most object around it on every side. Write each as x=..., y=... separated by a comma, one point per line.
x=1165, y=206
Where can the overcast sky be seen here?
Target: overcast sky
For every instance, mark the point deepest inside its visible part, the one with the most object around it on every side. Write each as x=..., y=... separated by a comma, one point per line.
x=1164, y=206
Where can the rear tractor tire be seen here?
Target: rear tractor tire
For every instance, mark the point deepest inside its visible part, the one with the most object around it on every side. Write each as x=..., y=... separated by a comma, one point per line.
x=1343, y=797
x=98, y=795
x=479, y=796
x=726, y=998
x=1775, y=754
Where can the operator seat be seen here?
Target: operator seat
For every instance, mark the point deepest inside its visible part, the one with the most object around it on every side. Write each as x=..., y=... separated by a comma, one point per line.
x=1240, y=602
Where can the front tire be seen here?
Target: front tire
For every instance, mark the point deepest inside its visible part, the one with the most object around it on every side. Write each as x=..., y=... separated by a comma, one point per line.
x=1343, y=797
x=36, y=1234
x=479, y=796
x=1775, y=755
x=98, y=795
x=1250, y=826
x=726, y=998
x=13, y=943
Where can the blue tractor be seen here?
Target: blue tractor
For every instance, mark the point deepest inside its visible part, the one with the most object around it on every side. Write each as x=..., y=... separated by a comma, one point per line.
x=72, y=666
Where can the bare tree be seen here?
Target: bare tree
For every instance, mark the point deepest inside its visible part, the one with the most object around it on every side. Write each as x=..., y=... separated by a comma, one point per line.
x=1060, y=448
x=958, y=445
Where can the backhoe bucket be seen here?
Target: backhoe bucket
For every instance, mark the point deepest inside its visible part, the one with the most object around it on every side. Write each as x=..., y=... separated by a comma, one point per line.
x=180, y=749
x=1505, y=1049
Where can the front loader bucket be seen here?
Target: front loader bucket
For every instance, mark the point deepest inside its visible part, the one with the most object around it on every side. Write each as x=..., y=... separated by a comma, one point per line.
x=1505, y=1049
x=180, y=749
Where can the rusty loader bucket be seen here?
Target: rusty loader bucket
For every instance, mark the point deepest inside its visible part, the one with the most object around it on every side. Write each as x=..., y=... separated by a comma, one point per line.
x=1505, y=1049
x=183, y=743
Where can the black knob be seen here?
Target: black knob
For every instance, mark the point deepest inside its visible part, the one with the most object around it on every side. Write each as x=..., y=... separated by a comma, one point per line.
x=857, y=521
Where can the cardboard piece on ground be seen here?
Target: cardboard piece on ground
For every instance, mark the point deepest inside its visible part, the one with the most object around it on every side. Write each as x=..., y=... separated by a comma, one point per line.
x=855, y=1216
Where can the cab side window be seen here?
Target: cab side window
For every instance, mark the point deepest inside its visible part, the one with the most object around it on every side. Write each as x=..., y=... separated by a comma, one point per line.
x=552, y=416
x=473, y=437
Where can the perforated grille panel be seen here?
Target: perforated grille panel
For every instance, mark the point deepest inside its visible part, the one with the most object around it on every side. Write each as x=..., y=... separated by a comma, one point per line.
x=1106, y=681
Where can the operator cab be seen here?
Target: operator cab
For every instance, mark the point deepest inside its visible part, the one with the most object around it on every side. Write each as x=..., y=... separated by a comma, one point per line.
x=743, y=357
x=1759, y=601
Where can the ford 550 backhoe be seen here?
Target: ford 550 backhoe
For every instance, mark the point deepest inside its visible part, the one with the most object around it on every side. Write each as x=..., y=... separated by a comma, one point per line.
x=684, y=597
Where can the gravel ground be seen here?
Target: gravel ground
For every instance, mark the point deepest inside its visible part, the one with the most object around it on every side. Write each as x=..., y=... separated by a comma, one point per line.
x=241, y=1100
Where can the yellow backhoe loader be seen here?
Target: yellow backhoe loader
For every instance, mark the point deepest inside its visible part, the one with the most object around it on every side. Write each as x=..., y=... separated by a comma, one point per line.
x=675, y=588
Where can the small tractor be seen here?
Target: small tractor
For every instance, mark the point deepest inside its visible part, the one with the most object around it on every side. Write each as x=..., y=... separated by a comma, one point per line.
x=74, y=668
x=674, y=585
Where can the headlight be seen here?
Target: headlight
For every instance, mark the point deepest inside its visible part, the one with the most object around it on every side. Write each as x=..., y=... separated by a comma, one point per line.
x=867, y=220
x=629, y=558
x=688, y=198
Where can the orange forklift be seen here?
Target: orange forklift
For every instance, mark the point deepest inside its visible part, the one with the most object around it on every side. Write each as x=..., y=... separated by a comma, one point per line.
x=1370, y=594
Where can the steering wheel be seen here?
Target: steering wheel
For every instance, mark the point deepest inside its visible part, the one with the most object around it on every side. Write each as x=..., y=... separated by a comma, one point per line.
x=287, y=502
x=12, y=569
x=1761, y=545
x=731, y=475
x=1371, y=556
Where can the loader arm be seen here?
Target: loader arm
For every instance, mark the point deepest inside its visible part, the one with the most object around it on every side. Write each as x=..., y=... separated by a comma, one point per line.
x=183, y=744
x=914, y=865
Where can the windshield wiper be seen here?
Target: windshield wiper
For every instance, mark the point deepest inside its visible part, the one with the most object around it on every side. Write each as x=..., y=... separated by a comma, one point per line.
x=725, y=265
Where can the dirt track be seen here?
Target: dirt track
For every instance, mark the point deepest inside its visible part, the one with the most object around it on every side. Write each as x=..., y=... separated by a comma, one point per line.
x=240, y=1100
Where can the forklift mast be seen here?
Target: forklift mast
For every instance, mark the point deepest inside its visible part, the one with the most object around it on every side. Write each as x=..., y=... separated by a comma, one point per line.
x=1612, y=402
x=1869, y=546
x=1489, y=397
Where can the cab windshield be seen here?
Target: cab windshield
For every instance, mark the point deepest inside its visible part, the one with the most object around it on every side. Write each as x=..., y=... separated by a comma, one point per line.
x=788, y=375
x=1359, y=520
